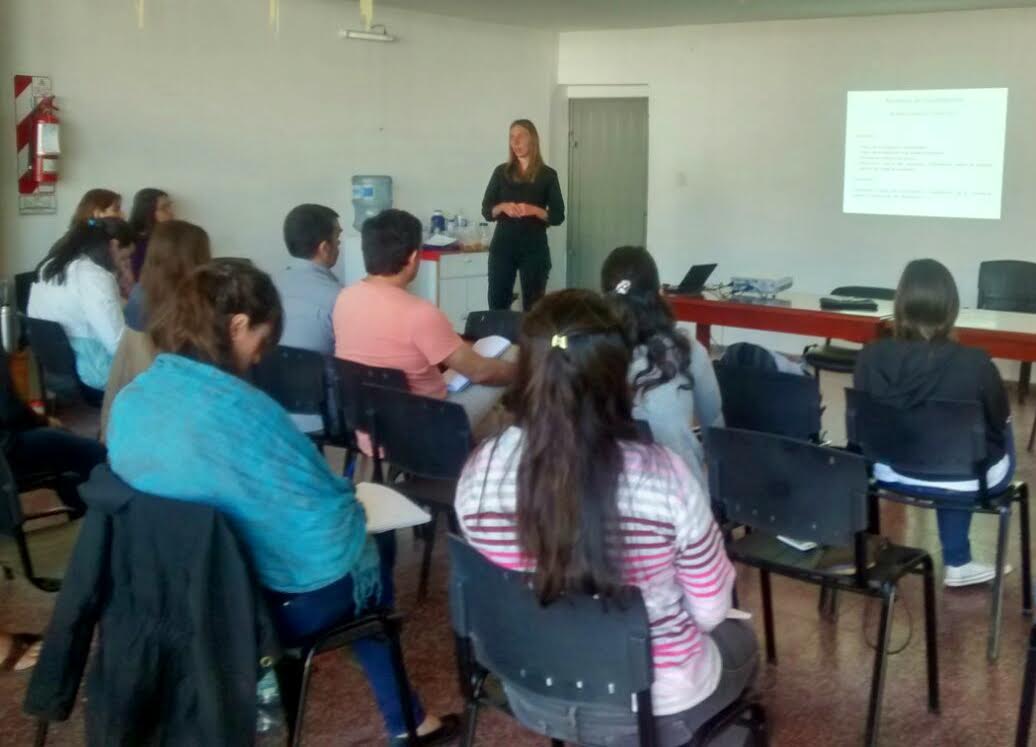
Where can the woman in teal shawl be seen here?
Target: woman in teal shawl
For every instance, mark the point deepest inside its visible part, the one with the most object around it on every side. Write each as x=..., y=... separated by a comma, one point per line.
x=191, y=428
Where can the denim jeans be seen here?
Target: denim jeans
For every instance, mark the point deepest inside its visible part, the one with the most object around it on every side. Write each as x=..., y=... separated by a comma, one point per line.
x=50, y=450
x=955, y=523
x=320, y=609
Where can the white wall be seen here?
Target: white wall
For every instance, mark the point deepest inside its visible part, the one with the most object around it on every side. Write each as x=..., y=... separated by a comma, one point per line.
x=747, y=127
x=240, y=125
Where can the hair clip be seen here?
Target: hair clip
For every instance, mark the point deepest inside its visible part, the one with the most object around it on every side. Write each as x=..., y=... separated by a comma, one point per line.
x=559, y=341
x=623, y=287
x=91, y=221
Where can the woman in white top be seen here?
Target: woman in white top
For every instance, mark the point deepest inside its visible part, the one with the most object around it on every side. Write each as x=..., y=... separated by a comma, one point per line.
x=76, y=287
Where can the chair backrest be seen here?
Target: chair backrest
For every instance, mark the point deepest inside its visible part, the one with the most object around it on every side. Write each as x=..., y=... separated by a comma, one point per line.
x=11, y=515
x=422, y=436
x=865, y=291
x=786, y=486
x=936, y=439
x=349, y=407
x=769, y=401
x=580, y=648
x=503, y=322
x=1007, y=285
x=297, y=379
x=54, y=352
x=22, y=285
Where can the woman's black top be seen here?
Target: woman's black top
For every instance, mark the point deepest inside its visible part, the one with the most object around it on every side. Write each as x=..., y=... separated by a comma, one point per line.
x=544, y=191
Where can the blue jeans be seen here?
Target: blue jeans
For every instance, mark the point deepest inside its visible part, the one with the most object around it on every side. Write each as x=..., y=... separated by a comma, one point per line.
x=318, y=610
x=955, y=524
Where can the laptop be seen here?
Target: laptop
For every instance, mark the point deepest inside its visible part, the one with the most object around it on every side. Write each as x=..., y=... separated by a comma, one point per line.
x=693, y=282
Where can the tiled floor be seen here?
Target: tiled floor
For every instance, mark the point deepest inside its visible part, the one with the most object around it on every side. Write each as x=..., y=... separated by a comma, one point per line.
x=817, y=695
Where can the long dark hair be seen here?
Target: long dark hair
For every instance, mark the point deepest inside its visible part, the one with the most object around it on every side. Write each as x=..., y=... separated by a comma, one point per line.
x=927, y=302
x=573, y=404
x=629, y=280
x=91, y=239
x=142, y=215
x=195, y=321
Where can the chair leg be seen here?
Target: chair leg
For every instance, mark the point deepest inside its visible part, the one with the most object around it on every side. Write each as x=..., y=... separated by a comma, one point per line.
x=759, y=726
x=880, y=660
x=1024, y=375
x=1023, y=520
x=426, y=560
x=300, y=715
x=827, y=604
x=41, y=733
x=771, y=644
x=406, y=702
x=1032, y=434
x=289, y=684
x=996, y=611
x=1028, y=695
x=49, y=585
x=931, y=644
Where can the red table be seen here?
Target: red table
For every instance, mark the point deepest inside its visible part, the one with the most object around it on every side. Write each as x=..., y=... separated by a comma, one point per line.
x=1003, y=334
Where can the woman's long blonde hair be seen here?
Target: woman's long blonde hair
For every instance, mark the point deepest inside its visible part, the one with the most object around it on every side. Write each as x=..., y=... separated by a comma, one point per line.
x=514, y=167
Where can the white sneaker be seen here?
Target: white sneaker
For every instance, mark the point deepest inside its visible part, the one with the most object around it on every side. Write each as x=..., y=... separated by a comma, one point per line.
x=971, y=573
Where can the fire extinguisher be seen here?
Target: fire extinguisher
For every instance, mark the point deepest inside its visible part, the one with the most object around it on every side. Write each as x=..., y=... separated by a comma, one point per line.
x=47, y=148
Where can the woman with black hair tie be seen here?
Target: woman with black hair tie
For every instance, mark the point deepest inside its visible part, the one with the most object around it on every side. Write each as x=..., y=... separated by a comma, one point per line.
x=671, y=374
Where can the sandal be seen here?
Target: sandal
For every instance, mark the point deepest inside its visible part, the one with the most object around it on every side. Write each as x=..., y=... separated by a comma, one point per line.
x=21, y=644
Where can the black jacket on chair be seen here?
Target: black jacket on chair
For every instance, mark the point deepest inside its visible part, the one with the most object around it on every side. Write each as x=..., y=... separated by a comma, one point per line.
x=183, y=625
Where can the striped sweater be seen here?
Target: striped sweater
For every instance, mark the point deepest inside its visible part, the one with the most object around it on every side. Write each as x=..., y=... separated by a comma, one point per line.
x=672, y=551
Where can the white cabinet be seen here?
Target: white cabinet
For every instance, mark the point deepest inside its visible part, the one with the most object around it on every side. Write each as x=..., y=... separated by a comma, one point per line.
x=458, y=283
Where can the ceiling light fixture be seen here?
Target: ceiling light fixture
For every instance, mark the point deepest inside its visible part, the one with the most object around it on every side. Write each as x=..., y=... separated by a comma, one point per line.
x=376, y=33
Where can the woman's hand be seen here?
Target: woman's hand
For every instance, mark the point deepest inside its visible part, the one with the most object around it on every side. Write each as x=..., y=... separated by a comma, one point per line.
x=510, y=209
x=531, y=211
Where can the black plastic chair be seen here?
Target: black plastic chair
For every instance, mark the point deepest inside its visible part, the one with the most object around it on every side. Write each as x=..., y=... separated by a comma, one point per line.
x=1021, y=738
x=428, y=441
x=350, y=411
x=57, y=361
x=769, y=401
x=839, y=358
x=581, y=649
x=297, y=380
x=22, y=287
x=1010, y=285
x=295, y=667
x=13, y=519
x=818, y=494
x=942, y=438
x=503, y=322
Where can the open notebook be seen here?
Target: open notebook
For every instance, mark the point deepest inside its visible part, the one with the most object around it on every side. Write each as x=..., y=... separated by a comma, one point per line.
x=388, y=509
x=489, y=347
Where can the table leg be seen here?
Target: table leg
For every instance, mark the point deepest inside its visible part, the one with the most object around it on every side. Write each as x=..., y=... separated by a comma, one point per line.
x=704, y=334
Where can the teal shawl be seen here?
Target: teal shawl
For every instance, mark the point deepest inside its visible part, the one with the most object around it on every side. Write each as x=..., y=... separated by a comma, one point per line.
x=190, y=431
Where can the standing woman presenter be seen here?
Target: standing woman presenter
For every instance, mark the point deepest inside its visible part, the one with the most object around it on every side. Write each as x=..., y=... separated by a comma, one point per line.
x=523, y=197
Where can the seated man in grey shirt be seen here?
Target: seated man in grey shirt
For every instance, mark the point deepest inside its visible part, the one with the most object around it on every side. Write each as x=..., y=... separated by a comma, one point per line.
x=307, y=287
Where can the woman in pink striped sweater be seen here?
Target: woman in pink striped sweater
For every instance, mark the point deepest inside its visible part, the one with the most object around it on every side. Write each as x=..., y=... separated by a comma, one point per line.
x=570, y=495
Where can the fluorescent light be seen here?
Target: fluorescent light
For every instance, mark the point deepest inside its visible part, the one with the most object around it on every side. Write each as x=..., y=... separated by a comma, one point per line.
x=378, y=36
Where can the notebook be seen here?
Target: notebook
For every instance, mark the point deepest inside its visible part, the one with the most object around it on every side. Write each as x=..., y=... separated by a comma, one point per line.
x=388, y=509
x=489, y=347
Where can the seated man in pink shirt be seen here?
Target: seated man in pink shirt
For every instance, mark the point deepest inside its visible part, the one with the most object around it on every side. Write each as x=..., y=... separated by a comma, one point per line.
x=378, y=322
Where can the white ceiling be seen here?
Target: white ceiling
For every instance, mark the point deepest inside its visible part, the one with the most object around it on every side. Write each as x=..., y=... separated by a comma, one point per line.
x=576, y=15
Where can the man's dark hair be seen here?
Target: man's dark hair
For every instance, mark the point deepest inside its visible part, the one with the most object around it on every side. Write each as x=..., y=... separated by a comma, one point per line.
x=389, y=238
x=306, y=227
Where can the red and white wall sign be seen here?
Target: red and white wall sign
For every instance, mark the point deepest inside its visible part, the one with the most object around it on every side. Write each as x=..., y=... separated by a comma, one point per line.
x=29, y=91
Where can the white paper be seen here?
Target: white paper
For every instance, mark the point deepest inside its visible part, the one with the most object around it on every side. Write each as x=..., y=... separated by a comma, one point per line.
x=488, y=347
x=439, y=241
x=388, y=509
